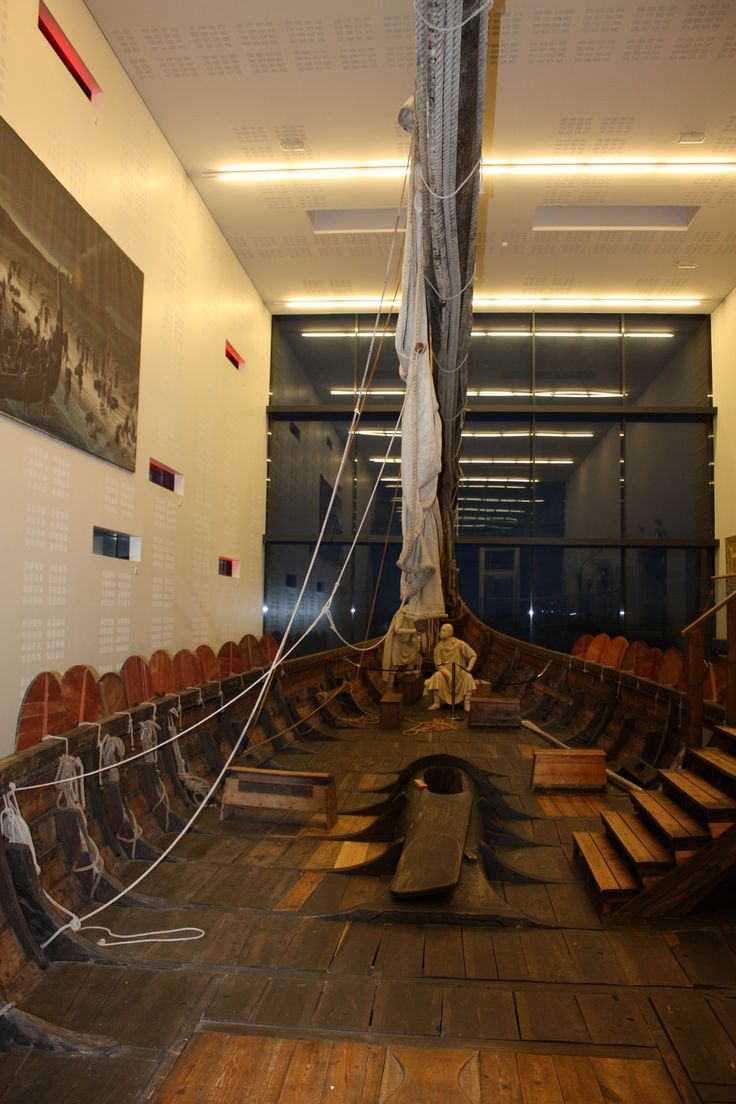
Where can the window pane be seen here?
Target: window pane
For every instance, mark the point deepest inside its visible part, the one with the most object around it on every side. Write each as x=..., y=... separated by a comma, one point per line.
x=311, y=358
x=578, y=358
x=495, y=581
x=666, y=589
x=576, y=591
x=667, y=491
x=305, y=457
x=495, y=495
x=500, y=359
x=667, y=360
x=577, y=478
x=372, y=443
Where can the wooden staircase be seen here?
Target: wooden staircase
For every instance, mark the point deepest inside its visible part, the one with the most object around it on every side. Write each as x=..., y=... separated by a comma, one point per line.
x=675, y=845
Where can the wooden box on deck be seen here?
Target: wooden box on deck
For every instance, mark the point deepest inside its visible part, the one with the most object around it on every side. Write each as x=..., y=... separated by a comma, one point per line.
x=392, y=710
x=411, y=686
x=254, y=787
x=557, y=769
x=490, y=711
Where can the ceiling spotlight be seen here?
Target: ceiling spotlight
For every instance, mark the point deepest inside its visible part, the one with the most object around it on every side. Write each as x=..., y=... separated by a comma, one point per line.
x=691, y=138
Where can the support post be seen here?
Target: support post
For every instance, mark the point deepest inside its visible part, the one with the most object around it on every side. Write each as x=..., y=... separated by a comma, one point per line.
x=731, y=669
x=695, y=666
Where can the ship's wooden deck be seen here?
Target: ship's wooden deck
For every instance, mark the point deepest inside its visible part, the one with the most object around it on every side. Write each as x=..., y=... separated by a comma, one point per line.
x=290, y=997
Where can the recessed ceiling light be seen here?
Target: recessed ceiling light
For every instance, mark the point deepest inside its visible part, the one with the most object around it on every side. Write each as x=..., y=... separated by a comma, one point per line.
x=686, y=264
x=292, y=145
x=691, y=138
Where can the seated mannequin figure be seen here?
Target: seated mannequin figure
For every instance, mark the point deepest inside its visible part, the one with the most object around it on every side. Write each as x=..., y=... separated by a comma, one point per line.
x=448, y=650
x=401, y=647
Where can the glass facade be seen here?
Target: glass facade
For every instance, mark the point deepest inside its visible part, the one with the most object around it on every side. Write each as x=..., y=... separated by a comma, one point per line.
x=585, y=502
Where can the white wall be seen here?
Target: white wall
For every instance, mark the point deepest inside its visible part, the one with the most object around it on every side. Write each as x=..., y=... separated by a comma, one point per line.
x=61, y=604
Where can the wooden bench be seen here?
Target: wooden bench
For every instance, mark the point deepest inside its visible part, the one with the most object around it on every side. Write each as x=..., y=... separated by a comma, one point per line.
x=569, y=770
x=494, y=711
x=391, y=710
x=252, y=787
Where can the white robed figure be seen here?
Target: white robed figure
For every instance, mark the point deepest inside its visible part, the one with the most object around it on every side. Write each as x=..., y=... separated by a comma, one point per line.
x=451, y=650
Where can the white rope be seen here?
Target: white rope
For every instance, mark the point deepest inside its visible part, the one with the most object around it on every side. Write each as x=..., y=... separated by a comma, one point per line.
x=196, y=786
x=449, y=298
x=451, y=195
x=149, y=741
x=112, y=752
x=71, y=796
x=456, y=26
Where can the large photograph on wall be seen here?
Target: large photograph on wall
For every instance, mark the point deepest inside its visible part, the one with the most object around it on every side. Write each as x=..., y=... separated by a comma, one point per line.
x=70, y=314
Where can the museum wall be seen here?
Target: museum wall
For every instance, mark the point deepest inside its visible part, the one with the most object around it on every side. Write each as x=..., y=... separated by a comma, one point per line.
x=197, y=414
x=723, y=336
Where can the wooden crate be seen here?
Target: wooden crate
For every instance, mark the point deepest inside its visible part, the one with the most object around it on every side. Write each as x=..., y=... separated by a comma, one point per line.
x=554, y=769
x=392, y=710
x=410, y=686
x=254, y=787
x=493, y=711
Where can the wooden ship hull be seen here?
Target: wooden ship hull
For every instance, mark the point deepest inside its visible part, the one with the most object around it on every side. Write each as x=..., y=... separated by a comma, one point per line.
x=290, y=953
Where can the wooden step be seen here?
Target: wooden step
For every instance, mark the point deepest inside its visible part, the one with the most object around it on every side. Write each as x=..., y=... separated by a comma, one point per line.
x=727, y=731
x=716, y=808
x=639, y=846
x=669, y=820
x=610, y=879
x=713, y=759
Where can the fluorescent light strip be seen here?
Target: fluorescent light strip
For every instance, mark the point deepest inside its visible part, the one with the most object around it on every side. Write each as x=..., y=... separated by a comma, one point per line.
x=490, y=302
x=498, y=333
x=484, y=460
x=499, y=483
x=391, y=169
x=475, y=393
x=587, y=433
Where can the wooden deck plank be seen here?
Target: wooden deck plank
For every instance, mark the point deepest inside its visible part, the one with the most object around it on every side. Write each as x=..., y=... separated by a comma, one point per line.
x=548, y=1015
x=704, y=1047
x=480, y=1012
x=538, y=1079
x=403, y=1008
x=345, y=1005
x=443, y=952
x=624, y=1080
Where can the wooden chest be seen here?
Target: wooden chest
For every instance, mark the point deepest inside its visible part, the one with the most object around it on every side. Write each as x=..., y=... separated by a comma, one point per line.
x=410, y=686
x=255, y=787
x=554, y=769
x=392, y=710
x=494, y=712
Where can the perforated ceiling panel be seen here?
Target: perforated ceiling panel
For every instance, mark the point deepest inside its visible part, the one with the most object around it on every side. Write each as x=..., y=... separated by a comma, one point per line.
x=245, y=81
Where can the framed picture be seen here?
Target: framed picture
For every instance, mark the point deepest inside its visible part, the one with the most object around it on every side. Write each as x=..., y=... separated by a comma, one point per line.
x=70, y=314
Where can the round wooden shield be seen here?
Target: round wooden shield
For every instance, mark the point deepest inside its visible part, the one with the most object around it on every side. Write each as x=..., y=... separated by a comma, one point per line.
x=136, y=675
x=633, y=655
x=161, y=666
x=209, y=668
x=614, y=652
x=648, y=665
x=581, y=645
x=597, y=647
x=269, y=646
x=230, y=660
x=671, y=667
x=82, y=697
x=42, y=711
x=112, y=692
x=250, y=648
x=186, y=670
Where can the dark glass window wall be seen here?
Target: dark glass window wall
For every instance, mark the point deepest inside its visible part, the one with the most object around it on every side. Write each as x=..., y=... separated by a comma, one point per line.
x=586, y=473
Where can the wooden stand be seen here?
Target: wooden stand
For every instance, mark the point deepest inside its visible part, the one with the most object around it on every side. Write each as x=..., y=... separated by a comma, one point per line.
x=252, y=787
x=494, y=712
x=410, y=686
x=392, y=710
x=569, y=770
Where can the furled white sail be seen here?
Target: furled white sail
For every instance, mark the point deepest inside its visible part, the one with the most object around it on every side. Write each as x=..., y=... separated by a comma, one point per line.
x=421, y=440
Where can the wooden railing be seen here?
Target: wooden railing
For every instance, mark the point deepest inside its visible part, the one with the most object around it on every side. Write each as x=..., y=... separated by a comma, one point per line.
x=696, y=667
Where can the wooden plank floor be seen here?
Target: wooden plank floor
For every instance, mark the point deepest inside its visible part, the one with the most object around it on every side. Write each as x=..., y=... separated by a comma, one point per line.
x=290, y=995
x=256, y=1070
